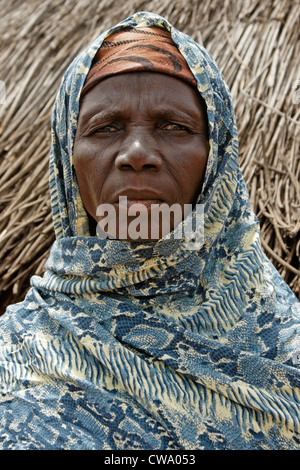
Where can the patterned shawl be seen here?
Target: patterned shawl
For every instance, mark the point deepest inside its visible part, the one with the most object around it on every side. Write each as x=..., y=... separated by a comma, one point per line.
x=150, y=345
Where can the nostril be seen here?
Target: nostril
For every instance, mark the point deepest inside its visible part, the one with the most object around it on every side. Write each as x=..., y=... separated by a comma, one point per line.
x=136, y=167
x=149, y=166
x=124, y=166
x=138, y=161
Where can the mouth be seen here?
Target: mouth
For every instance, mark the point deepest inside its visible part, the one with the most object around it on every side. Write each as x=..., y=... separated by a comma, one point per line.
x=142, y=199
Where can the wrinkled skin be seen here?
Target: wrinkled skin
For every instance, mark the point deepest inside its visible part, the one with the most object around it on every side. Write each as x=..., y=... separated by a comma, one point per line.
x=144, y=136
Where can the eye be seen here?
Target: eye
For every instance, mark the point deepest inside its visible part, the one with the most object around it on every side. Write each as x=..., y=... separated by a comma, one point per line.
x=105, y=129
x=173, y=126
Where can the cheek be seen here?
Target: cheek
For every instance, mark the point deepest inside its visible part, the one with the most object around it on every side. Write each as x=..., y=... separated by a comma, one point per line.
x=90, y=175
x=192, y=171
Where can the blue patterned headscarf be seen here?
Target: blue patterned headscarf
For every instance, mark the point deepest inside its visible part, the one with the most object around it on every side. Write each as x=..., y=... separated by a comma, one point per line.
x=150, y=345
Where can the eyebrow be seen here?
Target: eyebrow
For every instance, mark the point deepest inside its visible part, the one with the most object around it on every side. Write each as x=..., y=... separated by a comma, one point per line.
x=102, y=115
x=167, y=113
x=91, y=116
x=177, y=113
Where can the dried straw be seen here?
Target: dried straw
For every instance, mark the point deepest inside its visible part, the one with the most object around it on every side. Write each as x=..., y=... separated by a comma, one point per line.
x=256, y=45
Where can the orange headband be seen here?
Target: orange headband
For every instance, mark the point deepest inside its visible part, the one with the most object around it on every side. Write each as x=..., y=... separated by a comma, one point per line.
x=138, y=50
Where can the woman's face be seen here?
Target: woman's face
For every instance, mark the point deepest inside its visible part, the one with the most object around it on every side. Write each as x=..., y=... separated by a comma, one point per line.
x=141, y=137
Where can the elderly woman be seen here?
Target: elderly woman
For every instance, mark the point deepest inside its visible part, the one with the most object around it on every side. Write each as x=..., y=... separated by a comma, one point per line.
x=181, y=338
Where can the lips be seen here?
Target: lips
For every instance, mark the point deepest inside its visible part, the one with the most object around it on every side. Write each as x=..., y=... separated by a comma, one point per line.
x=140, y=194
x=143, y=198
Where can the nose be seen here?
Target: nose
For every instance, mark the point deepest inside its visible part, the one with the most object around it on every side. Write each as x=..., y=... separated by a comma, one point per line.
x=139, y=153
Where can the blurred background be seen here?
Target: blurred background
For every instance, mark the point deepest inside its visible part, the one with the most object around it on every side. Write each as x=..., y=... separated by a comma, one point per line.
x=256, y=44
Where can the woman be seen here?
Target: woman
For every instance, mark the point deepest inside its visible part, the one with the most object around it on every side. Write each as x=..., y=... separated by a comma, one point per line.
x=150, y=342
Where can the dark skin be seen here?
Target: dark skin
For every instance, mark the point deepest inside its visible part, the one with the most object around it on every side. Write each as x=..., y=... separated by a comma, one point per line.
x=141, y=135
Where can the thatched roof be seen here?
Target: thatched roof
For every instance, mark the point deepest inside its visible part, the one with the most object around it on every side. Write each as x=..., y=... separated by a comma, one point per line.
x=256, y=45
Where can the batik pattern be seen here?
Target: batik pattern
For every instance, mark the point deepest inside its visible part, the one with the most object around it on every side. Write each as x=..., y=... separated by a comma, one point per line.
x=152, y=345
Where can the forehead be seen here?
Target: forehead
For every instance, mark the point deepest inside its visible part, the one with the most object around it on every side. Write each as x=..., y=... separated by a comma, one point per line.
x=141, y=89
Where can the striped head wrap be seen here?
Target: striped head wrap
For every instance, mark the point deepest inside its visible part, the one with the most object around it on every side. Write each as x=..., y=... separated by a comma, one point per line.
x=138, y=50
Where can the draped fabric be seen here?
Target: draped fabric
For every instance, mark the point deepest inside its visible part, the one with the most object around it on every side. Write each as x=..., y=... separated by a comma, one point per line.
x=153, y=345
x=138, y=50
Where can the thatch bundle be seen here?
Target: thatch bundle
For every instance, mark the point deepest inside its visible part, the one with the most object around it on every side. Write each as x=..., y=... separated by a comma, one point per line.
x=256, y=45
